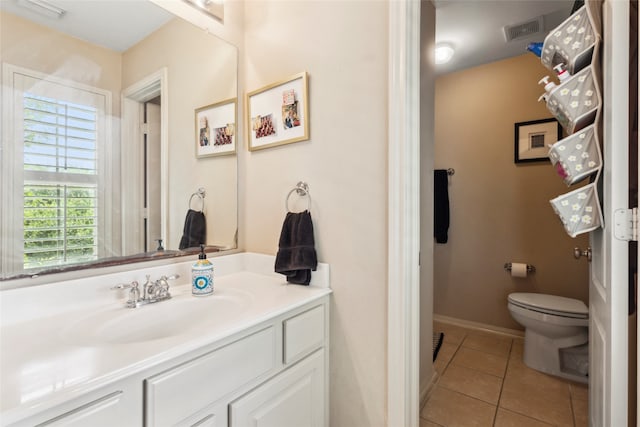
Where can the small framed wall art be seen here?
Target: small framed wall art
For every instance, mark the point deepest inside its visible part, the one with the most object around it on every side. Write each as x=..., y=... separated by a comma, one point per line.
x=216, y=129
x=532, y=140
x=278, y=114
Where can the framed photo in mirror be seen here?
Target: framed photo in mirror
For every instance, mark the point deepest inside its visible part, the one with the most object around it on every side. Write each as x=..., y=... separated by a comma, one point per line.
x=533, y=138
x=216, y=129
x=278, y=114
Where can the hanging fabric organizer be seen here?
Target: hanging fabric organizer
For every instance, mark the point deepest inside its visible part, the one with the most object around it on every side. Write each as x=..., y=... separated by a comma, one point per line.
x=571, y=49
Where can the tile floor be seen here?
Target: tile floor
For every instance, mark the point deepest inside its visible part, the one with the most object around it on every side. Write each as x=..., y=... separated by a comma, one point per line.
x=483, y=382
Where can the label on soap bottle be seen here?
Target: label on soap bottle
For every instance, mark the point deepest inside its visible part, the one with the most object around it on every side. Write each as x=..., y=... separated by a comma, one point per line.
x=202, y=278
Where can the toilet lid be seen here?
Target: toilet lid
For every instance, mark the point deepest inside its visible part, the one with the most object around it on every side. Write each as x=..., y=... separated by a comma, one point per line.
x=551, y=304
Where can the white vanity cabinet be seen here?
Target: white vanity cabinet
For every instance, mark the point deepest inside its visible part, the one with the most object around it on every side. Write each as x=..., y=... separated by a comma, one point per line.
x=254, y=353
x=273, y=375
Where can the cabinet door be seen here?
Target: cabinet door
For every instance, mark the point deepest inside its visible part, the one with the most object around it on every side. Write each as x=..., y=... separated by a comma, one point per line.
x=294, y=398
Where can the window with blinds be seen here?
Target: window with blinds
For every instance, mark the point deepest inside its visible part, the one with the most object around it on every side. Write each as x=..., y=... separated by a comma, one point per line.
x=60, y=182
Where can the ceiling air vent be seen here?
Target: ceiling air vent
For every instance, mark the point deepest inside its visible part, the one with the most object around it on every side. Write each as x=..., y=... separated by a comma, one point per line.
x=524, y=29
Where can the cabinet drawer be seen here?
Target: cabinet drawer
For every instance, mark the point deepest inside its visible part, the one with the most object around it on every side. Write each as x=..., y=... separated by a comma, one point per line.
x=303, y=334
x=178, y=393
x=101, y=412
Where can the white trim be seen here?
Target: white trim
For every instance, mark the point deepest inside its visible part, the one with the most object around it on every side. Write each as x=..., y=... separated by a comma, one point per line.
x=12, y=177
x=145, y=89
x=403, y=282
x=615, y=109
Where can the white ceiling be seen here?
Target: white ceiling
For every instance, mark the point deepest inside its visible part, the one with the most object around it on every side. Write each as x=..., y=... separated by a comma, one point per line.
x=475, y=28
x=115, y=24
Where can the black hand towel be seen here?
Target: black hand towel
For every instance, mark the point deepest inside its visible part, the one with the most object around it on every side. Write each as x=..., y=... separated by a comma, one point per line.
x=195, y=230
x=440, y=205
x=296, y=256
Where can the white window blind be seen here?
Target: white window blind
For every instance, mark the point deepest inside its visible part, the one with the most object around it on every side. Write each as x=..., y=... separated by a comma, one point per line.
x=58, y=174
x=60, y=182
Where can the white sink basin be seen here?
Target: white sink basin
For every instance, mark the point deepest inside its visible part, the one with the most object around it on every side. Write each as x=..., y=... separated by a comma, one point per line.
x=178, y=315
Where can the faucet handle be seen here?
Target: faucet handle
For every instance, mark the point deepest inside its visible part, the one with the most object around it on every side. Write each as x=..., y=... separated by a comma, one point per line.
x=123, y=286
x=134, y=293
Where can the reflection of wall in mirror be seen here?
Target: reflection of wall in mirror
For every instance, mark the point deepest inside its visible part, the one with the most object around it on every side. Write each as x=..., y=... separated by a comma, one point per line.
x=197, y=65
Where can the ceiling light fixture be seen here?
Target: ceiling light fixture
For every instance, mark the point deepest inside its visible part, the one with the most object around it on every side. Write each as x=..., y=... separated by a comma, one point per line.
x=43, y=7
x=444, y=52
x=213, y=8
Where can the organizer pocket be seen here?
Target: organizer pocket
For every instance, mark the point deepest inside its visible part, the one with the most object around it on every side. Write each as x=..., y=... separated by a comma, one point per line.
x=579, y=210
x=571, y=43
x=577, y=156
x=576, y=101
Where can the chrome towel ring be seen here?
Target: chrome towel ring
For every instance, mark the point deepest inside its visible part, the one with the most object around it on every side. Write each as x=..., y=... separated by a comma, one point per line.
x=302, y=189
x=199, y=194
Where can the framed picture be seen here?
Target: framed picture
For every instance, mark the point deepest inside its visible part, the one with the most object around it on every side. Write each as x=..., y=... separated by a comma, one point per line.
x=278, y=114
x=216, y=129
x=532, y=139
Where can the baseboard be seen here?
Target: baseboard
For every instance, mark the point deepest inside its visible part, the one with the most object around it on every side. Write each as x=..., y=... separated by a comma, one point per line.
x=477, y=326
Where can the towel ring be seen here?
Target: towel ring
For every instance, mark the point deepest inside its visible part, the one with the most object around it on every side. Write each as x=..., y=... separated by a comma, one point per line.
x=302, y=188
x=200, y=194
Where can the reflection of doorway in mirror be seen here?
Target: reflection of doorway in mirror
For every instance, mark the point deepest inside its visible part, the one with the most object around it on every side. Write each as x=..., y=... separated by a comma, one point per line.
x=152, y=188
x=144, y=164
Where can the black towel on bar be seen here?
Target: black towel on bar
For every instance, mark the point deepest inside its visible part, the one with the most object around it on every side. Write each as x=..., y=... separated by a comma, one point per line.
x=195, y=230
x=440, y=205
x=296, y=256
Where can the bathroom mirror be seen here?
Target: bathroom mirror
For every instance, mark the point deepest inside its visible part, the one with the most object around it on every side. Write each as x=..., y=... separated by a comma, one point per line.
x=99, y=161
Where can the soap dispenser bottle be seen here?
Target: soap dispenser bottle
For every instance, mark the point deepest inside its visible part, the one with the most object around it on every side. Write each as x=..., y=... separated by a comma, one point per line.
x=202, y=275
x=562, y=73
x=548, y=87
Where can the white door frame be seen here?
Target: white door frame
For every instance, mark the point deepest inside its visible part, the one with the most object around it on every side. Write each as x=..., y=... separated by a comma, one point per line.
x=403, y=281
x=155, y=84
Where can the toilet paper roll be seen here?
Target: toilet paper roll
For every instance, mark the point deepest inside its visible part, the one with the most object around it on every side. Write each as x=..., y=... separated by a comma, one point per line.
x=518, y=269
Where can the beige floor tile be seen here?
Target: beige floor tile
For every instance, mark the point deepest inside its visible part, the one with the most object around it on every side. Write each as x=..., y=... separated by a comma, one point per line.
x=444, y=357
x=579, y=391
x=427, y=423
x=548, y=408
x=506, y=418
x=481, y=361
x=580, y=412
x=452, y=334
x=472, y=383
x=488, y=342
x=520, y=377
x=450, y=409
x=517, y=348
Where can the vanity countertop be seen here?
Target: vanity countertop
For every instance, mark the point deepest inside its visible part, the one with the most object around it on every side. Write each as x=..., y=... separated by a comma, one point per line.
x=50, y=359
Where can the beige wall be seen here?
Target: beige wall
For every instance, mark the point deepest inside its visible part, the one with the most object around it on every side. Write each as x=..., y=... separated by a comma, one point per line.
x=38, y=48
x=343, y=47
x=202, y=70
x=499, y=210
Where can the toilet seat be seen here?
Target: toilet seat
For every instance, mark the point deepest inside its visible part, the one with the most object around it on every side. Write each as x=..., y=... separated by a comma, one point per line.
x=550, y=304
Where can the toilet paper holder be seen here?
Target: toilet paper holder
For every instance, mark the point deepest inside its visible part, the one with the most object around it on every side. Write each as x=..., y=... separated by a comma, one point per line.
x=530, y=268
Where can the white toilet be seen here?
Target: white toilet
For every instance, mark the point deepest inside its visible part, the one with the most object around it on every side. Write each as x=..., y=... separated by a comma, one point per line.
x=556, y=333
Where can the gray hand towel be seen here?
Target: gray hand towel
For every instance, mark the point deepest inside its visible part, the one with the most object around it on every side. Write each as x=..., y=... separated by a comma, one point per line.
x=296, y=256
x=195, y=230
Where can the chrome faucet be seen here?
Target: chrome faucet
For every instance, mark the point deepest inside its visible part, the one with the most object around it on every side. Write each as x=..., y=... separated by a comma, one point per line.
x=152, y=292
